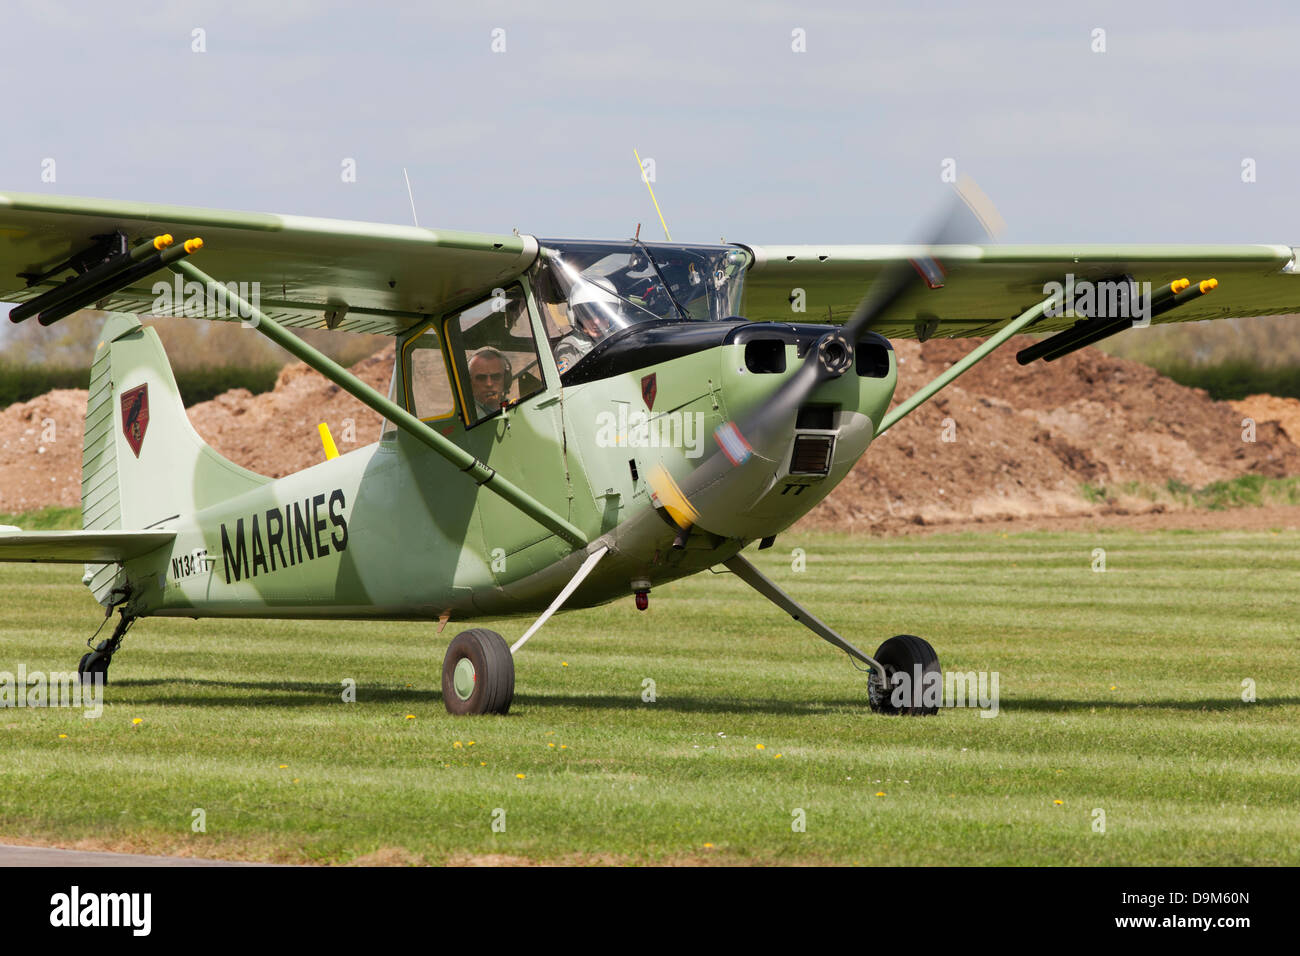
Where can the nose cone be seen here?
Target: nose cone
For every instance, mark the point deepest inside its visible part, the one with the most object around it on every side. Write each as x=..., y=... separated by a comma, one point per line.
x=753, y=485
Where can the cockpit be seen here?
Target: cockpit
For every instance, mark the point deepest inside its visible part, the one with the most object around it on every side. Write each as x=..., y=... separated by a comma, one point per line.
x=590, y=290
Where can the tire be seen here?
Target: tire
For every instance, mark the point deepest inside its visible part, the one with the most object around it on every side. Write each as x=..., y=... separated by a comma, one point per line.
x=904, y=653
x=489, y=667
x=92, y=664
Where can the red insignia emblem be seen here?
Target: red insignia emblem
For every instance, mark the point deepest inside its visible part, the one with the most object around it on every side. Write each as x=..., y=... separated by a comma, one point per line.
x=649, y=388
x=135, y=416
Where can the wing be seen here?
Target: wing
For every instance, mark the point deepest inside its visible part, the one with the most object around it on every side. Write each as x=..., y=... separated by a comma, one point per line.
x=985, y=287
x=367, y=277
x=79, y=547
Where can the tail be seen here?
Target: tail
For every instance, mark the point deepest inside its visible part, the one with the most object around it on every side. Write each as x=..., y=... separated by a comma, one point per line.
x=143, y=465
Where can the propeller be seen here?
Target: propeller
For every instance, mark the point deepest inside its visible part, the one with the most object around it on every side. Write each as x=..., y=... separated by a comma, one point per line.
x=968, y=217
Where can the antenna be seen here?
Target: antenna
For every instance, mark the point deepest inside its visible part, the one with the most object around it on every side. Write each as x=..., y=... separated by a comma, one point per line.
x=645, y=179
x=410, y=194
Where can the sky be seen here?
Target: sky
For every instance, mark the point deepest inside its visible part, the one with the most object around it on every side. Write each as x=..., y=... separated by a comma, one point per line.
x=766, y=122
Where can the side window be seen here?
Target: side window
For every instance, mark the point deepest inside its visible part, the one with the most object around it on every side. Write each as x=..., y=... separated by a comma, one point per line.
x=428, y=384
x=495, y=354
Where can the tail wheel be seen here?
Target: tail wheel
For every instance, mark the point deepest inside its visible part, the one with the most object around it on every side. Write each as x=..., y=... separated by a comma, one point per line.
x=478, y=674
x=914, y=657
x=93, y=666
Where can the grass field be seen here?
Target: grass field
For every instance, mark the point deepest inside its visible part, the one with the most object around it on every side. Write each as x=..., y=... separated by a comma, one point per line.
x=1120, y=691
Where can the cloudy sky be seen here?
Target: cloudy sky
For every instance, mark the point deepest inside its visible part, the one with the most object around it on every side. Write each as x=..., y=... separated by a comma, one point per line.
x=751, y=139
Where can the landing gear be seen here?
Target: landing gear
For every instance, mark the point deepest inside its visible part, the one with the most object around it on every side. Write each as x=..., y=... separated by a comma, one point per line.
x=901, y=654
x=93, y=666
x=478, y=674
x=919, y=692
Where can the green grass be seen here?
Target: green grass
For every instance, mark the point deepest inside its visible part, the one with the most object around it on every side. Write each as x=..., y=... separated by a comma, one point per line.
x=1244, y=491
x=22, y=383
x=1120, y=691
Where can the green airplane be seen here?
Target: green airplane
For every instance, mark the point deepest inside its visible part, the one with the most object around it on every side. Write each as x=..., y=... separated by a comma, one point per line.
x=570, y=421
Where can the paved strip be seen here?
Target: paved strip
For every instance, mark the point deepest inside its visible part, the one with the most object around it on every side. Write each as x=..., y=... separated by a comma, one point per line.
x=48, y=856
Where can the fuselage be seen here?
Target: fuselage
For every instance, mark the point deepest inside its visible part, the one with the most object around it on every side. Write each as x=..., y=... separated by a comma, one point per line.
x=393, y=530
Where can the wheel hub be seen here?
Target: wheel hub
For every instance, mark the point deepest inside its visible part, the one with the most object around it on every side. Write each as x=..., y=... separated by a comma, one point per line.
x=464, y=678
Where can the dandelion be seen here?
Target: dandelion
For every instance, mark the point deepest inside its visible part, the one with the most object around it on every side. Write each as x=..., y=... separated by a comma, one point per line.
x=1059, y=803
x=410, y=716
x=777, y=756
x=457, y=745
x=552, y=745
x=708, y=846
x=519, y=776
x=284, y=766
x=759, y=747
x=564, y=663
x=482, y=763
x=137, y=720
x=63, y=736
x=564, y=746
x=880, y=793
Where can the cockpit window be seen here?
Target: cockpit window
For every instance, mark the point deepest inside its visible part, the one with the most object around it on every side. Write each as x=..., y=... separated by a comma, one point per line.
x=590, y=290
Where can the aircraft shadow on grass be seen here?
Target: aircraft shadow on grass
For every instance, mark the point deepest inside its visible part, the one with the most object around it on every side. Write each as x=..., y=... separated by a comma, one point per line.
x=307, y=694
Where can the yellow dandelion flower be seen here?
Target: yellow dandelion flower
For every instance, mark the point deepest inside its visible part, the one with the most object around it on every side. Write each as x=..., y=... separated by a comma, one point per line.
x=1112, y=686
x=777, y=756
x=470, y=744
x=137, y=720
x=759, y=747
x=880, y=793
x=519, y=776
x=1059, y=803
x=410, y=716
x=482, y=763
x=284, y=766
x=457, y=745
x=564, y=663
x=564, y=746
x=708, y=846
x=550, y=745
x=63, y=736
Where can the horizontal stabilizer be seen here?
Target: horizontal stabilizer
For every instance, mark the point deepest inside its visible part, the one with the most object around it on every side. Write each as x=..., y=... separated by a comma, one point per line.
x=79, y=547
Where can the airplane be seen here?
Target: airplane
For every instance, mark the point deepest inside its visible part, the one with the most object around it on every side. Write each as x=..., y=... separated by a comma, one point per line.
x=570, y=422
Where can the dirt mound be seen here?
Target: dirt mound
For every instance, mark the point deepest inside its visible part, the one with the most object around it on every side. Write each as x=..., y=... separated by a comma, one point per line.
x=275, y=433
x=1266, y=408
x=40, y=451
x=1024, y=439
x=1005, y=441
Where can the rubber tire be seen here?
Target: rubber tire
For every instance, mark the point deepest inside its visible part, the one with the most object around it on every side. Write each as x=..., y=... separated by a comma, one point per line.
x=100, y=666
x=494, y=673
x=902, y=653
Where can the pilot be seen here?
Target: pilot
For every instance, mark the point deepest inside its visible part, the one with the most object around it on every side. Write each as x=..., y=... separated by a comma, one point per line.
x=489, y=379
x=590, y=308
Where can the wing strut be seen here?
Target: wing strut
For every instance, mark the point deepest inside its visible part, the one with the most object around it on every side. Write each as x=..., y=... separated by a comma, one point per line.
x=482, y=474
x=927, y=392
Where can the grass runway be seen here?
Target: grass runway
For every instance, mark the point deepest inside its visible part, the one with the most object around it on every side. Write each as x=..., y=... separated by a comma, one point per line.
x=1119, y=691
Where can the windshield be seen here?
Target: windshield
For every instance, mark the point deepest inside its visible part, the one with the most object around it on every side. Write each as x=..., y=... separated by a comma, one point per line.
x=590, y=290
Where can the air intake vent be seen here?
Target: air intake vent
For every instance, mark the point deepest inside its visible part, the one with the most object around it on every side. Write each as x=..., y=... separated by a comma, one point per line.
x=765, y=356
x=812, y=455
x=873, y=360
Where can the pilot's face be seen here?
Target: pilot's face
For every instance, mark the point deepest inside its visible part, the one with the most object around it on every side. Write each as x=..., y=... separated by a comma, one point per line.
x=487, y=376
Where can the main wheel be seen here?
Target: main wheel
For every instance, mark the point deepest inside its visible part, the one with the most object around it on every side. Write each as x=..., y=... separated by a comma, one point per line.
x=478, y=674
x=912, y=656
